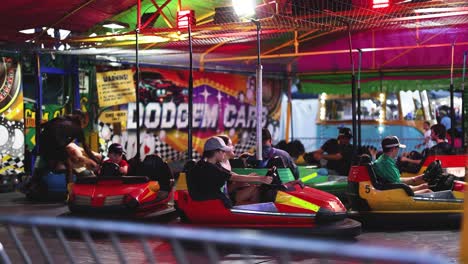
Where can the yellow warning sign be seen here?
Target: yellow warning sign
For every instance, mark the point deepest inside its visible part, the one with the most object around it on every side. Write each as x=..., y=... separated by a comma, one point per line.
x=113, y=117
x=115, y=87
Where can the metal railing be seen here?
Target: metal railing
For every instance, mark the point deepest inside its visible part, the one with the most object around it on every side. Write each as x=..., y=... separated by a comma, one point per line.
x=75, y=240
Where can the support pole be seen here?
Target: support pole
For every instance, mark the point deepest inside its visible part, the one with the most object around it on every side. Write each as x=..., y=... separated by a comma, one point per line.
x=38, y=105
x=289, y=122
x=259, y=94
x=353, y=90
x=359, y=101
x=452, y=107
x=137, y=90
x=76, y=84
x=190, y=92
x=463, y=109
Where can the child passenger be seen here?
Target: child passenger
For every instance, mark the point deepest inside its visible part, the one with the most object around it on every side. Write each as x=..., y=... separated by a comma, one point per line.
x=116, y=155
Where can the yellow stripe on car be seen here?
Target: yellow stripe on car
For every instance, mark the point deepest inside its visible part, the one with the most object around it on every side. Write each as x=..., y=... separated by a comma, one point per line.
x=309, y=177
x=287, y=199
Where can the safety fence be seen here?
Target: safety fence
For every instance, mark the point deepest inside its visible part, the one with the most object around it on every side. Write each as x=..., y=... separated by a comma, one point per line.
x=76, y=240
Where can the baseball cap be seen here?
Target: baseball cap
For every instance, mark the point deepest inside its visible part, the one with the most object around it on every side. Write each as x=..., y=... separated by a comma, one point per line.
x=345, y=131
x=392, y=141
x=215, y=143
x=116, y=148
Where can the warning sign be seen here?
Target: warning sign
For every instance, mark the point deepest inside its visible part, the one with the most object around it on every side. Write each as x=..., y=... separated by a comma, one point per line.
x=115, y=87
x=113, y=117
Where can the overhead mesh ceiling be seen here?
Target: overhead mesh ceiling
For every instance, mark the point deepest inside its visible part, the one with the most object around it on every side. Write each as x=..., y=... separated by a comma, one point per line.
x=281, y=20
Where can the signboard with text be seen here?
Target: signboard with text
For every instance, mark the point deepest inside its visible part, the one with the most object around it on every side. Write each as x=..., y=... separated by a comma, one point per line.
x=115, y=87
x=222, y=104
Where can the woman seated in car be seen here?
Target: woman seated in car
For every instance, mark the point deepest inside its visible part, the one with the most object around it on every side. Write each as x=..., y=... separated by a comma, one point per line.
x=207, y=179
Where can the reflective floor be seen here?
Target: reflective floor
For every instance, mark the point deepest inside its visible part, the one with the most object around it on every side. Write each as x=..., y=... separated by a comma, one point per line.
x=435, y=239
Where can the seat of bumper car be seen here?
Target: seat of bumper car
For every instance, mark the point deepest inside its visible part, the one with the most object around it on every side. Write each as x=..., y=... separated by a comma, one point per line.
x=448, y=195
x=378, y=182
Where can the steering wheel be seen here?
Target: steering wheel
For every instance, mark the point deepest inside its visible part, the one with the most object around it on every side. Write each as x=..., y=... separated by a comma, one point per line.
x=273, y=172
x=433, y=172
x=110, y=169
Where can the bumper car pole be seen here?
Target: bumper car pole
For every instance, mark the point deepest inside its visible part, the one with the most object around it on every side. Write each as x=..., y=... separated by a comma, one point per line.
x=259, y=93
x=353, y=88
x=452, y=107
x=462, y=99
x=190, y=91
x=137, y=90
x=359, y=139
x=38, y=106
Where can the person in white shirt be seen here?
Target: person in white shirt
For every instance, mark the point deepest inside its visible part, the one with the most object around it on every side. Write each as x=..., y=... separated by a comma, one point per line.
x=428, y=143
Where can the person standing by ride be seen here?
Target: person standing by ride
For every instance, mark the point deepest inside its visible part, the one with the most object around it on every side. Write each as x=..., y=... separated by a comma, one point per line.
x=268, y=152
x=387, y=170
x=206, y=179
x=58, y=141
x=337, y=152
x=445, y=119
x=428, y=143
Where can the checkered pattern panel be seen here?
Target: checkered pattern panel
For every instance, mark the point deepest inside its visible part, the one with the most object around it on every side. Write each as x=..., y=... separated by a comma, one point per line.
x=168, y=153
x=12, y=165
x=165, y=151
x=246, y=145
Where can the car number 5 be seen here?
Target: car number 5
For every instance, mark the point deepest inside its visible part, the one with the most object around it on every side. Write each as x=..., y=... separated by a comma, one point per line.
x=367, y=188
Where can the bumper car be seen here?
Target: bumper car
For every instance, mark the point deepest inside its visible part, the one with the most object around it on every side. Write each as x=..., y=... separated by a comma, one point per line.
x=453, y=164
x=310, y=176
x=110, y=194
x=369, y=197
x=290, y=208
x=319, y=179
x=46, y=185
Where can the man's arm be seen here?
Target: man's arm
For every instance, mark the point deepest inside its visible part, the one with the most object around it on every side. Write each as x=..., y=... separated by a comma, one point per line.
x=412, y=180
x=405, y=159
x=336, y=156
x=253, y=177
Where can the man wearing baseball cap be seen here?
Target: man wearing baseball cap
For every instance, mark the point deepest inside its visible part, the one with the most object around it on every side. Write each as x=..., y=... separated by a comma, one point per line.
x=387, y=171
x=207, y=178
x=338, y=152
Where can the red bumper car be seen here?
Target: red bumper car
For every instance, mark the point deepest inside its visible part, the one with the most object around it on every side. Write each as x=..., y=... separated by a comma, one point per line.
x=126, y=196
x=294, y=209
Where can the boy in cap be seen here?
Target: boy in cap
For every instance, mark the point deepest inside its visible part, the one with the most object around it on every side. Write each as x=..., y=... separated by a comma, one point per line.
x=115, y=154
x=207, y=178
x=338, y=152
x=387, y=171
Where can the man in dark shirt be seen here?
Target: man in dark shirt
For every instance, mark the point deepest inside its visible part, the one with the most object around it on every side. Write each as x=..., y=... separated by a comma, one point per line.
x=438, y=133
x=207, y=179
x=442, y=147
x=57, y=144
x=338, y=152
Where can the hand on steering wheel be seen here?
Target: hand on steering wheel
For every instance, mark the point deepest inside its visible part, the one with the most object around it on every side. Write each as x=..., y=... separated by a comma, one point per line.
x=273, y=172
x=433, y=172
